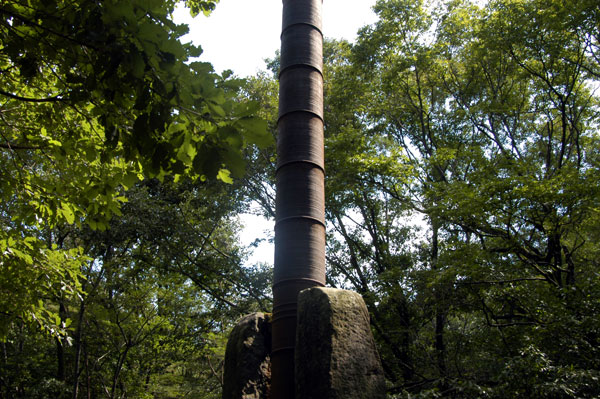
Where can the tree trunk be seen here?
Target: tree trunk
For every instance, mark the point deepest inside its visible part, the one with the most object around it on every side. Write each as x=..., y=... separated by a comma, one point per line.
x=300, y=202
x=78, y=347
x=117, y=372
x=60, y=349
x=88, y=378
x=440, y=314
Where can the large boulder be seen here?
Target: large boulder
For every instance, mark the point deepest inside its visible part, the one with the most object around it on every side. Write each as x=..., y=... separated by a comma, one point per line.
x=247, y=359
x=335, y=351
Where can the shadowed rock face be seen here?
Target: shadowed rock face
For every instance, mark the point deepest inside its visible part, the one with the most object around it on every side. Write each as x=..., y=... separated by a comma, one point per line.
x=247, y=359
x=335, y=351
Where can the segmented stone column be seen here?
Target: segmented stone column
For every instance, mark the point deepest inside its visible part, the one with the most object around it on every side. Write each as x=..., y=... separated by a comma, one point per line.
x=300, y=204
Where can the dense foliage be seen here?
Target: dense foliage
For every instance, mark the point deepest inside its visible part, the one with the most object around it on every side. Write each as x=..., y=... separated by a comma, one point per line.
x=158, y=297
x=482, y=121
x=463, y=161
x=462, y=194
x=93, y=97
x=110, y=286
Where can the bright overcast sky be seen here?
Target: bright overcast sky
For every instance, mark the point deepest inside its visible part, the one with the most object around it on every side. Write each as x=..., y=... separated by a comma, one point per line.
x=240, y=34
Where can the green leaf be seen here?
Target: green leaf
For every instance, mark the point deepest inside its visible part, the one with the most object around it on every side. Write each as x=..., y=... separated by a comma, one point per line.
x=130, y=179
x=67, y=212
x=235, y=162
x=224, y=176
x=256, y=131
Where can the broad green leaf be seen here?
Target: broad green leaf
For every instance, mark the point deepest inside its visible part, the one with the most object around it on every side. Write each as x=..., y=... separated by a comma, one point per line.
x=255, y=131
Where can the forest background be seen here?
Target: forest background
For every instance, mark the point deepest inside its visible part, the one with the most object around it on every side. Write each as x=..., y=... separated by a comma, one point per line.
x=125, y=162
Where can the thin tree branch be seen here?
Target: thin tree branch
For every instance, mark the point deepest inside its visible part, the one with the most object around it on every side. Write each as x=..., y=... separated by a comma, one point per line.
x=33, y=100
x=9, y=146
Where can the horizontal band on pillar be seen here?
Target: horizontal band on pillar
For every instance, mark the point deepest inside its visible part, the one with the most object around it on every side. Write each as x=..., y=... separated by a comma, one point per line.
x=300, y=217
x=302, y=11
x=300, y=192
x=284, y=315
x=288, y=291
x=292, y=25
x=299, y=65
x=288, y=309
x=287, y=288
x=299, y=250
x=307, y=161
x=301, y=45
x=283, y=70
x=300, y=136
x=289, y=281
x=277, y=317
x=315, y=275
x=301, y=89
x=299, y=110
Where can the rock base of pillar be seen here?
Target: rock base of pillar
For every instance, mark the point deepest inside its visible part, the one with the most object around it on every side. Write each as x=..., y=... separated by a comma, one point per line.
x=247, y=372
x=335, y=352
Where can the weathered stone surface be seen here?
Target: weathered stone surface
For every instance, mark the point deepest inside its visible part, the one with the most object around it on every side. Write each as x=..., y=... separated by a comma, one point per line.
x=247, y=359
x=335, y=351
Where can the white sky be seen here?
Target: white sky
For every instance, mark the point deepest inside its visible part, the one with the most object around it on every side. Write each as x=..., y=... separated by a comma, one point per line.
x=240, y=34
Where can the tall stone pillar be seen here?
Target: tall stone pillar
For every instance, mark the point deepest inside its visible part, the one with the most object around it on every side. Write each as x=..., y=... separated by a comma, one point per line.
x=300, y=203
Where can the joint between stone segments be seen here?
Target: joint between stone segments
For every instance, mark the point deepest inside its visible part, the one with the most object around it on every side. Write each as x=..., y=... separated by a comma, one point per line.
x=306, y=111
x=285, y=316
x=301, y=23
x=284, y=310
x=284, y=304
x=293, y=280
x=306, y=161
x=301, y=217
x=298, y=66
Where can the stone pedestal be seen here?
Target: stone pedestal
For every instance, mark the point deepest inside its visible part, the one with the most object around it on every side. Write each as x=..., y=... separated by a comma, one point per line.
x=335, y=351
x=247, y=359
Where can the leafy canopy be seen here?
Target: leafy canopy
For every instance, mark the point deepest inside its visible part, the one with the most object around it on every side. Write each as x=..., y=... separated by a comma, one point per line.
x=93, y=97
